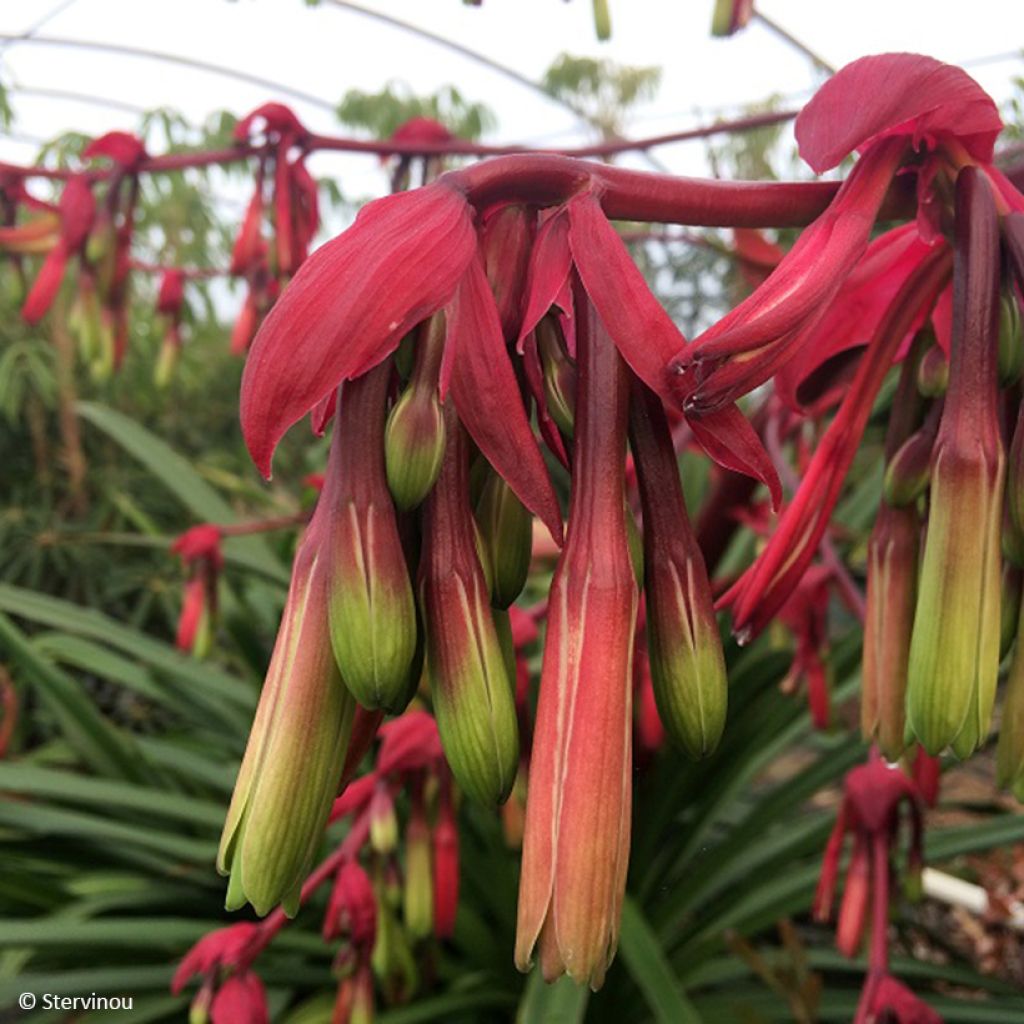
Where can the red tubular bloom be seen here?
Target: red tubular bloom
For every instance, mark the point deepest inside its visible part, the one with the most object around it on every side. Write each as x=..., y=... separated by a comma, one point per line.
x=874, y=794
x=409, y=743
x=445, y=848
x=576, y=844
x=77, y=209
x=762, y=590
x=225, y=947
x=352, y=908
x=171, y=295
x=240, y=1000
x=765, y=331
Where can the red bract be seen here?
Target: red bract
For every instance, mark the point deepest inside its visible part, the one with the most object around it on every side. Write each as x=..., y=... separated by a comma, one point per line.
x=408, y=743
x=350, y=305
x=277, y=119
x=203, y=541
x=121, y=147
x=422, y=129
x=886, y=999
x=902, y=94
x=352, y=908
x=222, y=948
x=171, y=295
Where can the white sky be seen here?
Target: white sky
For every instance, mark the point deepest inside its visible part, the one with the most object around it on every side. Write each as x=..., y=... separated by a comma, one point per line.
x=326, y=50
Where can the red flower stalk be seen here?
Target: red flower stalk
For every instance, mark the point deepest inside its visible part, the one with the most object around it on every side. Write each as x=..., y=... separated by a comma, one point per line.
x=767, y=584
x=884, y=999
x=576, y=844
x=77, y=209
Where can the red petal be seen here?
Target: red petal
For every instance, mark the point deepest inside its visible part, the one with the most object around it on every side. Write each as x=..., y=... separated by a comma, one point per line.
x=172, y=292
x=548, y=273
x=639, y=326
x=349, y=306
x=731, y=441
x=896, y=94
x=486, y=395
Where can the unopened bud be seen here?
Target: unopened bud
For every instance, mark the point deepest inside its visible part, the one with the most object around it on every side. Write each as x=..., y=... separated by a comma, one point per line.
x=418, y=894
x=1010, y=751
x=891, y=597
x=1011, y=344
x=954, y=652
x=933, y=373
x=683, y=640
x=909, y=470
x=383, y=823
x=559, y=375
x=372, y=610
x=470, y=686
x=506, y=537
x=414, y=446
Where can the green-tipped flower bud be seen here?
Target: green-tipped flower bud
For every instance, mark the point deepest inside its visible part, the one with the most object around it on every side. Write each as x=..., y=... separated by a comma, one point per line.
x=372, y=609
x=933, y=373
x=383, y=822
x=392, y=959
x=559, y=375
x=506, y=538
x=414, y=446
x=683, y=640
x=954, y=652
x=891, y=597
x=296, y=749
x=470, y=687
x=166, y=363
x=1010, y=751
x=909, y=470
x=414, y=437
x=1011, y=344
x=1009, y=608
x=418, y=892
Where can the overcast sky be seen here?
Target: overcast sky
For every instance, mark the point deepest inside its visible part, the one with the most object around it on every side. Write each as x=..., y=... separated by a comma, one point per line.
x=325, y=50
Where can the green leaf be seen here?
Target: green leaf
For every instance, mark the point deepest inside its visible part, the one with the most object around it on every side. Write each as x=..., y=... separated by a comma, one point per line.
x=81, y=790
x=176, y=473
x=100, y=745
x=645, y=960
x=563, y=1002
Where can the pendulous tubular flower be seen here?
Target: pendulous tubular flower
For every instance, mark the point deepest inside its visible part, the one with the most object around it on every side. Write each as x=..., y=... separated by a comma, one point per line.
x=683, y=641
x=470, y=687
x=954, y=651
x=370, y=600
x=576, y=842
x=296, y=748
